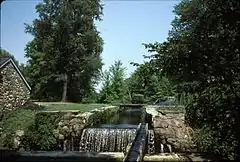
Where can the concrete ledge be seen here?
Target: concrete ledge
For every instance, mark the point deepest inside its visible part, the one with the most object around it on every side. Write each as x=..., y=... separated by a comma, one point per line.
x=46, y=156
x=179, y=157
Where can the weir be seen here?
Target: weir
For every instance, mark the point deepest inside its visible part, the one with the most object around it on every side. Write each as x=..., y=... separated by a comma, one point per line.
x=106, y=140
x=126, y=135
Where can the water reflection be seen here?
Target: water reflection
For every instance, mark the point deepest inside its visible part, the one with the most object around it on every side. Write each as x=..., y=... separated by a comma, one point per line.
x=128, y=118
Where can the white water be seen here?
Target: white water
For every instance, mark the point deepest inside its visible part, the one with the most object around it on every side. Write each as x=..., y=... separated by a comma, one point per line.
x=106, y=140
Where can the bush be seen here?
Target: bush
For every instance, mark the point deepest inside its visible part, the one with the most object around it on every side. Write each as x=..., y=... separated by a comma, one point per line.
x=215, y=115
x=40, y=135
x=212, y=141
x=12, y=121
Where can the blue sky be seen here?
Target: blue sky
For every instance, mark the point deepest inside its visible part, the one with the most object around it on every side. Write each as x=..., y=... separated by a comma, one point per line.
x=125, y=26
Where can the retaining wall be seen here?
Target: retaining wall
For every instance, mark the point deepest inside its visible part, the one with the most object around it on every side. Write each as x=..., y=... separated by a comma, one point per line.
x=169, y=128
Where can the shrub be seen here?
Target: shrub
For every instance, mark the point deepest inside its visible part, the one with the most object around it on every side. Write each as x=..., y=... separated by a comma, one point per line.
x=212, y=141
x=12, y=121
x=40, y=135
x=215, y=114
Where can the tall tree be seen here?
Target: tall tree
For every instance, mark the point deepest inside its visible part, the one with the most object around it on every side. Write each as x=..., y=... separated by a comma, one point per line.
x=66, y=48
x=114, y=89
x=146, y=81
x=202, y=57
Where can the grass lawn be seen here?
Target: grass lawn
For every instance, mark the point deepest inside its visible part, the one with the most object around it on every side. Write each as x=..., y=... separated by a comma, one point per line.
x=58, y=106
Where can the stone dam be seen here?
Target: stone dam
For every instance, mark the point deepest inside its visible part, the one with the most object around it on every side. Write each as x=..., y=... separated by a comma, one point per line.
x=118, y=133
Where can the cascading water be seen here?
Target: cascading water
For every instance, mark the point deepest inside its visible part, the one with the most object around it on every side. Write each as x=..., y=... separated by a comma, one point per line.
x=163, y=148
x=106, y=140
x=115, y=136
x=150, y=142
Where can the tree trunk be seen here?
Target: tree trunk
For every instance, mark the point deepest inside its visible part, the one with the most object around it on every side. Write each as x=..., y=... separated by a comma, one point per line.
x=130, y=96
x=65, y=85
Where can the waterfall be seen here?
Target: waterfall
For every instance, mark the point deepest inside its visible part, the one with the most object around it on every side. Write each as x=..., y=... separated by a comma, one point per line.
x=106, y=140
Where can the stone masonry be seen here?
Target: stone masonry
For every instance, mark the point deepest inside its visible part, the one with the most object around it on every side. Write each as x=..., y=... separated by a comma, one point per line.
x=170, y=129
x=13, y=91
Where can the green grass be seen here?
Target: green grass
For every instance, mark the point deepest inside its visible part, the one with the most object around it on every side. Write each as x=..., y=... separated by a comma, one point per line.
x=71, y=106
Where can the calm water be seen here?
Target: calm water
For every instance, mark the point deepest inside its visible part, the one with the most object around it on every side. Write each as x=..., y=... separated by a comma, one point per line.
x=128, y=118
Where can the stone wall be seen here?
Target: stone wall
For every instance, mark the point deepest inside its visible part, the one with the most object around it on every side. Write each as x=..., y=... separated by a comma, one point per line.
x=169, y=128
x=13, y=91
x=60, y=126
x=72, y=123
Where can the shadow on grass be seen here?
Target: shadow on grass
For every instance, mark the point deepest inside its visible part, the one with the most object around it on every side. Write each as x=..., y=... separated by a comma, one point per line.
x=58, y=156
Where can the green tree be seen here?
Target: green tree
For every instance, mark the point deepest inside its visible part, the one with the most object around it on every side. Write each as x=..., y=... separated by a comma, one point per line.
x=146, y=81
x=4, y=53
x=106, y=92
x=114, y=88
x=64, y=55
x=201, y=56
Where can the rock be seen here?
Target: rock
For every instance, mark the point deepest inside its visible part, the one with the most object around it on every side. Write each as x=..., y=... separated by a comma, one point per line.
x=171, y=129
x=78, y=132
x=56, y=132
x=66, y=129
x=61, y=137
x=80, y=115
x=176, y=123
x=17, y=138
x=171, y=140
x=60, y=124
x=19, y=133
x=78, y=128
x=75, y=121
x=160, y=124
x=68, y=116
x=16, y=142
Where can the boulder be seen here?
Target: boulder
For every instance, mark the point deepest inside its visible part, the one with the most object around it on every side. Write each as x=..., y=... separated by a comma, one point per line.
x=17, y=138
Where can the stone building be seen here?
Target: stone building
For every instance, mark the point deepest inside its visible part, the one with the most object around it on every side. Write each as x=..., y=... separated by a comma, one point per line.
x=14, y=89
